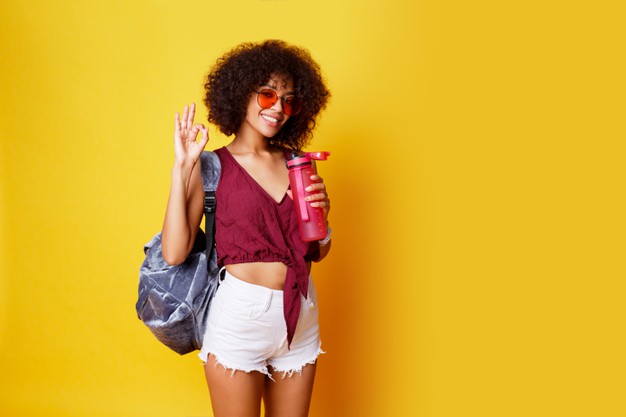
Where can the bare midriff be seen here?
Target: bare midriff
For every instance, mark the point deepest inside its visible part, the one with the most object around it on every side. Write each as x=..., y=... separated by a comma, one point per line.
x=267, y=274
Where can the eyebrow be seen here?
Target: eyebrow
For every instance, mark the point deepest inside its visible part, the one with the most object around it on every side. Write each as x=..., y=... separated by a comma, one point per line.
x=273, y=87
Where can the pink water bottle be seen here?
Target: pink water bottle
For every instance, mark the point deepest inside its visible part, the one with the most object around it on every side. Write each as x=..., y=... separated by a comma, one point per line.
x=311, y=221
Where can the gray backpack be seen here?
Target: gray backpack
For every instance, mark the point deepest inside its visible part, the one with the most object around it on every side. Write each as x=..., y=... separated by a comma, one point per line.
x=174, y=300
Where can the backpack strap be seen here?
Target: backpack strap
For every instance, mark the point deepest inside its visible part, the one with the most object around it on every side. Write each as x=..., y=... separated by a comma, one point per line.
x=211, y=170
x=209, y=224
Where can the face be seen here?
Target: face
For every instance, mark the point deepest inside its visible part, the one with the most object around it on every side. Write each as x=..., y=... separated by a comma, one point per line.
x=268, y=122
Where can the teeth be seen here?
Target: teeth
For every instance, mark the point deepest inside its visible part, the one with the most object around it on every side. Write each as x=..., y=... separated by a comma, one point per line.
x=271, y=119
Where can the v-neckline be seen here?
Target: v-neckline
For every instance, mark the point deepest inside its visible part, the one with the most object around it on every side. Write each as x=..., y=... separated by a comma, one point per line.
x=263, y=190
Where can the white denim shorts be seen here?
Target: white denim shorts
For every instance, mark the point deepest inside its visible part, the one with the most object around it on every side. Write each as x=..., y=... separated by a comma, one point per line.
x=246, y=329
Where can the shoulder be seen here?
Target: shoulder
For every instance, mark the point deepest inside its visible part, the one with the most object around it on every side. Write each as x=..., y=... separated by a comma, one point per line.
x=210, y=168
x=210, y=157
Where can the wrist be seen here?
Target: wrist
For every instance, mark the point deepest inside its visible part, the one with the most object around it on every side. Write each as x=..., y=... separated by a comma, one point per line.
x=181, y=168
x=326, y=240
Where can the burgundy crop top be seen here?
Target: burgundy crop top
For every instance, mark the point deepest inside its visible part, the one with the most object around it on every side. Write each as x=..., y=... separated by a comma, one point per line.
x=250, y=226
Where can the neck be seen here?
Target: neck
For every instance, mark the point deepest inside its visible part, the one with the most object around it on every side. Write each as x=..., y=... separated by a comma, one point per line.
x=248, y=139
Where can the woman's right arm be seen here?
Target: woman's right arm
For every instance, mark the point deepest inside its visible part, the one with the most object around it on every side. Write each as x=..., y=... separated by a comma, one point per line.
x=186, y=200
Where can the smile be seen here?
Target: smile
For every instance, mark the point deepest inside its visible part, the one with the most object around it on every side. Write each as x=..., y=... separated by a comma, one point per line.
x=269, y=118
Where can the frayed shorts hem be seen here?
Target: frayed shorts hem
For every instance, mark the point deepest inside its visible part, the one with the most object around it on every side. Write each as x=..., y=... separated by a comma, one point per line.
x=229, y=367
x=204, y=355
x=298, y=370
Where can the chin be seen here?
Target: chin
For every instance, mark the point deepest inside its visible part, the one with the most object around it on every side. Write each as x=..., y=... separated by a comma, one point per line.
x=270, y=132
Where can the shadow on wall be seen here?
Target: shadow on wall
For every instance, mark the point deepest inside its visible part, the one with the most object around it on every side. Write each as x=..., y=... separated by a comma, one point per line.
x=347, y=281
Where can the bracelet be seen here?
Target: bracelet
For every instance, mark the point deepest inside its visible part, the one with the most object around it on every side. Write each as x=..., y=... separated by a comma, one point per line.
x=325, y=241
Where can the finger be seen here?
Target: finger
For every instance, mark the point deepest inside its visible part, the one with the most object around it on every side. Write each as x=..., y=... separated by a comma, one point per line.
x=205, y=137
x=316, y=178
x=177, y=123
x=198, y=127
x=178, y=143
x=316, y=197
x=321, y=204
x=316, y=187
x=184, y=118
x=191, y=137
x=192, y=113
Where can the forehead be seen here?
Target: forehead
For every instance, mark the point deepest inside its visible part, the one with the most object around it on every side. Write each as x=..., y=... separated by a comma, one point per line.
x=281, y=81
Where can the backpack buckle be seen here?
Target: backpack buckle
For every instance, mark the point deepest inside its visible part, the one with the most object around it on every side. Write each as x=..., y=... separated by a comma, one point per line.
x=209, y=203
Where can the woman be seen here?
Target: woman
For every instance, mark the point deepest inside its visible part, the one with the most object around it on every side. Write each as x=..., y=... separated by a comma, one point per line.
x=262, y=337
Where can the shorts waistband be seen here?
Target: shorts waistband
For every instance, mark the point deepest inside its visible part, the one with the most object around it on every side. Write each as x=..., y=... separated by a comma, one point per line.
x=252, y=290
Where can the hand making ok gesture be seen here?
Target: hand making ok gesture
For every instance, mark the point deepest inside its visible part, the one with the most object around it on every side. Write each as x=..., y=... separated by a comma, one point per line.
x=186, y=150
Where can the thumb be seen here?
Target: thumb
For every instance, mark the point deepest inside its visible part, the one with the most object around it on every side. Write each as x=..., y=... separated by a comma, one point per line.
x=204, y=139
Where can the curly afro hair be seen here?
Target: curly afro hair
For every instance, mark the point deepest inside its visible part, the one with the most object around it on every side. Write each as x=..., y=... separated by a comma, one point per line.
x=235, y=75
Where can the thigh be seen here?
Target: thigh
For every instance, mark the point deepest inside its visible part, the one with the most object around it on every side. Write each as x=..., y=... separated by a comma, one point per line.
x=289, y=396
x=233, y=393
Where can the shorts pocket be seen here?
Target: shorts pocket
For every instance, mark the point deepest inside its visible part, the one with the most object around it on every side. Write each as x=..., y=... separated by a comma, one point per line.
x=244, y=307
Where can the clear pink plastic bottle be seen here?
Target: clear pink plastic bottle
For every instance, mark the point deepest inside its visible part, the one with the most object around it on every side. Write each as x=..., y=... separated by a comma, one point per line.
x=311, y=221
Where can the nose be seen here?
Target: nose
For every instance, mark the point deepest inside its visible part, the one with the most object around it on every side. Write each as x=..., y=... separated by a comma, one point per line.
x=278, y=106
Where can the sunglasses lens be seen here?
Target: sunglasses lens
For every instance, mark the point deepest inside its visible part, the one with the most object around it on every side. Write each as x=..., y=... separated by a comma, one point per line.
x=266, y=98
x=292, y=105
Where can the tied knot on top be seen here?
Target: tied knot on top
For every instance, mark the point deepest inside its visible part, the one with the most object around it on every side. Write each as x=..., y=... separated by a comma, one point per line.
x=296, y=285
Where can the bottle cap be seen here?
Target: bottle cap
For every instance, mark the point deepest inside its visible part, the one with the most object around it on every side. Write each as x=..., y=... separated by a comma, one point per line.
x=305, y=159
x=320, y=156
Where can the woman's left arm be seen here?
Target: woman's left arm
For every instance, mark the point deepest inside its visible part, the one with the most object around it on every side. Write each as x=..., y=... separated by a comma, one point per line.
x=320, y=199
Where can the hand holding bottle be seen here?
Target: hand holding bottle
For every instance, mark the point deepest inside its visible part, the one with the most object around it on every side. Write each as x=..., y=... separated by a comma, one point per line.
x=309, y=195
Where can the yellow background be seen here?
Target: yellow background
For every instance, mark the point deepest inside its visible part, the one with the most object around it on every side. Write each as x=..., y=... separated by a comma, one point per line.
x=477, y=181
